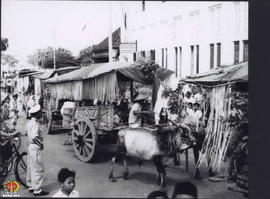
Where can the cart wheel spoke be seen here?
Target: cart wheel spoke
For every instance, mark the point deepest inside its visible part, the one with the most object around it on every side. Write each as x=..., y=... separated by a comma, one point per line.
x=88, y=145
x=81, y=150
x=88, y=134
x=89, y=140
x=79, y=127
x=84, y=128
x=87, y=151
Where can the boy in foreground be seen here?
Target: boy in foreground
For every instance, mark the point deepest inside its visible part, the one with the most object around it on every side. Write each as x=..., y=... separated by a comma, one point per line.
x=66, y=179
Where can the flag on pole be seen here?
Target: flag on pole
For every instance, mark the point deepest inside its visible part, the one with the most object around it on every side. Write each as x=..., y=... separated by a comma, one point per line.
x=83, y=27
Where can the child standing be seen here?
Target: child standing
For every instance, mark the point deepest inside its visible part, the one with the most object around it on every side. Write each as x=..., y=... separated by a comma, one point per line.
x=34, y=167
x=66, y=179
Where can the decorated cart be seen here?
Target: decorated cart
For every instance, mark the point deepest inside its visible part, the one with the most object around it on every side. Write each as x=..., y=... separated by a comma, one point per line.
x=96, y=90
x=224, y=104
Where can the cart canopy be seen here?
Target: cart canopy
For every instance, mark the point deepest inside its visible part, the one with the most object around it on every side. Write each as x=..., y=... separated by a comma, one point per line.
x=225, y=74
x=100, y=81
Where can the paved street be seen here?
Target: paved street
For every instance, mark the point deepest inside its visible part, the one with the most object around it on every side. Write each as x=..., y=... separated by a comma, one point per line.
x=92, y=178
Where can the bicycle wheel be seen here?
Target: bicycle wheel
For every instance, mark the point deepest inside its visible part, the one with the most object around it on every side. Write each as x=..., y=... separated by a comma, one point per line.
x=9, y=165
x=3, y=173
x=20, y=169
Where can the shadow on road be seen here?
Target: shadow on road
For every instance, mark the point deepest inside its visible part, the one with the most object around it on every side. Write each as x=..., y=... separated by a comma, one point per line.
x=150, y=178
x=54, y=186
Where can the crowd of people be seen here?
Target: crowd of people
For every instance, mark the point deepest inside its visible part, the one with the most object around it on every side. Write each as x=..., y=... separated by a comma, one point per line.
x=35, y=171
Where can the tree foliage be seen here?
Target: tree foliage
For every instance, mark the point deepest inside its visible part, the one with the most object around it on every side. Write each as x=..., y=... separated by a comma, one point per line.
x=85, y=56
x=4, y=44
x=9, y=60
x=45, y=58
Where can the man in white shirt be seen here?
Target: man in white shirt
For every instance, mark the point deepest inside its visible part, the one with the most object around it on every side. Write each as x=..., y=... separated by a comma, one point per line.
x=197, y=111
x=34, y=165
x=134, y=119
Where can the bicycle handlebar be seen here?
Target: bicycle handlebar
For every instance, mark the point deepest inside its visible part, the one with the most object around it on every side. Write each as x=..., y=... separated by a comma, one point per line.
x=10, y=134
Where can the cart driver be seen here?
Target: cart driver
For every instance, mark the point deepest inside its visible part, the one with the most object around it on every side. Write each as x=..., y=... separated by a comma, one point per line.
x=135, y=113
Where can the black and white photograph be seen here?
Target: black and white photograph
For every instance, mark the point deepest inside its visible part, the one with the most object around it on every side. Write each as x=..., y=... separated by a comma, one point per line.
x=124, y=99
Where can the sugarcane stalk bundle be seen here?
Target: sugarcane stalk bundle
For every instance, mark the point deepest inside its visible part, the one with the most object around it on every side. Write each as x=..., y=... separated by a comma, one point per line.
x=228, y=112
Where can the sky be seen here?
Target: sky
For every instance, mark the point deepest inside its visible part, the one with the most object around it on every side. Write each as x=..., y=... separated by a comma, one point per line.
x=74, y=25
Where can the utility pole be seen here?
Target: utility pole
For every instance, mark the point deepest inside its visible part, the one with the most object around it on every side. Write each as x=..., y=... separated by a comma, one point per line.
x=110, y=33
x=54, y=62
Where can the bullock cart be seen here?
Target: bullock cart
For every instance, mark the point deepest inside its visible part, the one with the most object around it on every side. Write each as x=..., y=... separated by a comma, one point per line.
x=107, y=84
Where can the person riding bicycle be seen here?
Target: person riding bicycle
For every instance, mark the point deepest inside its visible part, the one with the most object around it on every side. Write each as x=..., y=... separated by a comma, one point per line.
x=34, y=166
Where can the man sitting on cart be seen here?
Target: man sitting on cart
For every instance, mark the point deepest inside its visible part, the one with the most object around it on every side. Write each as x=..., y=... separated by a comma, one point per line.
x=136, y=113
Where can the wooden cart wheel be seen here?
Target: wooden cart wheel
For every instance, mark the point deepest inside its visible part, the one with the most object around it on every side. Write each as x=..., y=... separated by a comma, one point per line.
x=84, y=139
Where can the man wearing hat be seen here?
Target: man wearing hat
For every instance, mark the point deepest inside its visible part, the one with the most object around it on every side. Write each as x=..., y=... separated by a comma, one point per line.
x=34, y=166
x=135, y=119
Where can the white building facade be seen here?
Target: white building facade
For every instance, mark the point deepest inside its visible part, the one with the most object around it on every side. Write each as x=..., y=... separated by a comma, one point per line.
x=188, y=37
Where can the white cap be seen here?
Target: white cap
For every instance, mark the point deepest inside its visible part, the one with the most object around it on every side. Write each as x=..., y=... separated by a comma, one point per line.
x=35, y=109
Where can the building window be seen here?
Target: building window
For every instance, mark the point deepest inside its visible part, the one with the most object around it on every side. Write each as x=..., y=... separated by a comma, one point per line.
x=215, y=21
x=166, y=51
x=236, y=52
x=192, y=59
x=180, y=61
x=143, y=54
x=245, y=56
x=153, y=55
x=218, y=54
x=212, y=50
x=197, y=58
x=176, y=61
x=162, y=57
x=134, y=56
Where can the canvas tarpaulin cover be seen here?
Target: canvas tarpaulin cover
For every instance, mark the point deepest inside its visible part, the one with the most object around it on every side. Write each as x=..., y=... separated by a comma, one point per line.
x=100, y=81
x=226, y=74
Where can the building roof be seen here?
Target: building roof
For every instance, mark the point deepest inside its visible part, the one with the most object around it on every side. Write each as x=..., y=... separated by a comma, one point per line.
x=60, y=71
x=26, y=72
x=104, y=44
x=32, y=73
x=224, y=74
